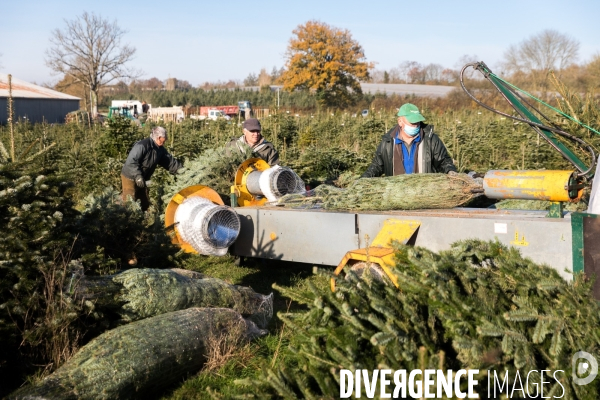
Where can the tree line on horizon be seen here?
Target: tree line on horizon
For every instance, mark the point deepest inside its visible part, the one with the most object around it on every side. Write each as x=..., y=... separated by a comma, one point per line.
x=323, y=60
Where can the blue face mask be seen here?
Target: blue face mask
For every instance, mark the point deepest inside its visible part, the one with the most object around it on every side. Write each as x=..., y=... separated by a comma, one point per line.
x=411, y=131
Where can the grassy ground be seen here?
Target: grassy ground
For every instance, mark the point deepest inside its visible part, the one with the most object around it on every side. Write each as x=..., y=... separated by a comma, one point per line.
x=217, y=378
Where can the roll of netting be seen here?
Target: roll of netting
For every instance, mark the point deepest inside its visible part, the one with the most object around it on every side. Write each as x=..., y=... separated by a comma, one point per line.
x=221, y=227
x=278, y=181
x=209, y=228
x=285, y=181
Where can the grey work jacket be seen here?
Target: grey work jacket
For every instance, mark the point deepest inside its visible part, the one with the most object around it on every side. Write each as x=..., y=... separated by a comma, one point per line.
x=145, y=156
x=264, y=149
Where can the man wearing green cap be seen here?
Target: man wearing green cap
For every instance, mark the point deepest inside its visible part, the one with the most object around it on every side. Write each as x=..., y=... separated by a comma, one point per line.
x=410, y=147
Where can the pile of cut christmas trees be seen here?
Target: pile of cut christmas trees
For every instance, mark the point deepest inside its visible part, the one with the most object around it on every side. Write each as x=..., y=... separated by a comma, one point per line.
x=169, y=318
x=164, y=321
x=478, y=306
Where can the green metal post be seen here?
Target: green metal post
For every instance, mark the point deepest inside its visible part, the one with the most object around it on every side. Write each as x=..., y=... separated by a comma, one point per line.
x=556, y=210
x=577, y=239
x=528, y=114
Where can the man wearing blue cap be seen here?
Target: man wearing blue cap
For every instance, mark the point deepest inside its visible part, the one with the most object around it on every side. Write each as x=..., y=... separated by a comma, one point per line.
x=410, y=147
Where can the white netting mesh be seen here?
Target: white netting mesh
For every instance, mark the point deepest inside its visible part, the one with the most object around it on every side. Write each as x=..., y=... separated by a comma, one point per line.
x=209, y=228
x=185, y=213
x=278, y=181
x=220, y=227
x=265, y=183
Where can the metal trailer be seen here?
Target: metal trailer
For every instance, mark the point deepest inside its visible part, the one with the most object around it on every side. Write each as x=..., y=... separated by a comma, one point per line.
x=569, y=244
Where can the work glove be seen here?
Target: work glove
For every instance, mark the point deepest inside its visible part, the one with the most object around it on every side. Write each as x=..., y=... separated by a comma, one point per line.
x=475, y=175
x=139, y=182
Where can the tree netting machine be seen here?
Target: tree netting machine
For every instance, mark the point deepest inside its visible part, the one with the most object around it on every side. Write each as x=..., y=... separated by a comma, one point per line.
x=567, y=241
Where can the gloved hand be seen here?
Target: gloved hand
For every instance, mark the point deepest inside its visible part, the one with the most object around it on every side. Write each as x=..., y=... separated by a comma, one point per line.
x=139, y=182
x=475, y=175
x=181, y=170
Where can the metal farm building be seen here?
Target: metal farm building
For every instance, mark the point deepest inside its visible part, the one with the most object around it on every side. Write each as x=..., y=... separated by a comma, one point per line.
x=35, y=103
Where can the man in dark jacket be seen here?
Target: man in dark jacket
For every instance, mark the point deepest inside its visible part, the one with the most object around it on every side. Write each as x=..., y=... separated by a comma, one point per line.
x=141, y=163
x=253, y=139
x=410, y=147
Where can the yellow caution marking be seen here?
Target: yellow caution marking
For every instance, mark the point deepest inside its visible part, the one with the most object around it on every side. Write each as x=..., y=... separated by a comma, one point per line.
x=518, y=242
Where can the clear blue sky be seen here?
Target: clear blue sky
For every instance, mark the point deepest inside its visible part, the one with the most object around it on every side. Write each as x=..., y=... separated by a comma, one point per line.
x=203, y=41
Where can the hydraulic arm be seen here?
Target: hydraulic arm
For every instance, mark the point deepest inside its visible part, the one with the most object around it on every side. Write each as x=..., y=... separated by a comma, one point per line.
x=512, y=95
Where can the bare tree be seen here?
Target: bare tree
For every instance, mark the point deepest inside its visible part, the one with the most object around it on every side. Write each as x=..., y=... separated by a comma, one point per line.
x=183, y=85
x=276, y=74
x=89, y=49
x=448, y=75
x=433, y=73
x=395, y=75
x=376, y=76
x=251, y=80
x=547, y=50
x=408, y=71
x=152, y=84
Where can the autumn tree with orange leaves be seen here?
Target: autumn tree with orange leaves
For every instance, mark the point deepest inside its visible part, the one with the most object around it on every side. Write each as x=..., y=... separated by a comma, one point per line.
x=327, y=60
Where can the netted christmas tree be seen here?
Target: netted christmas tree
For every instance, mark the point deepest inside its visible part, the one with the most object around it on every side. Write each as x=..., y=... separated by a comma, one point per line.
x=400, y=192
x=45, y=239
x=141, y=358
x=479, y=305
x=141, y=293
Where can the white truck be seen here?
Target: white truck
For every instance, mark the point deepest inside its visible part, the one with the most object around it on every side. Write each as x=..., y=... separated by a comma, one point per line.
x=212, y=114
x=132, y=106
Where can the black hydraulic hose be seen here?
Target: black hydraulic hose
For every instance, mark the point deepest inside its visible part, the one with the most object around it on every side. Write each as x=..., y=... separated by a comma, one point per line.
x=534, y=125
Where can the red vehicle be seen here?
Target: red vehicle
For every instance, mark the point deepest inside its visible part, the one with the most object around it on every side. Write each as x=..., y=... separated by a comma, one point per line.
x=232, y=111
x=243, y=108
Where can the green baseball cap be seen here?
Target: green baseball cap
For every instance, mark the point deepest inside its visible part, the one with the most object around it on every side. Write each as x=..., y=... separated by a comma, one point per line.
x=411, y=112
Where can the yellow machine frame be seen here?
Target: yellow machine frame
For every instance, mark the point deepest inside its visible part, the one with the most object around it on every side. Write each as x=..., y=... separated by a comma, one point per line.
x=380, y=251
x=240, y=189
x=191, y=191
